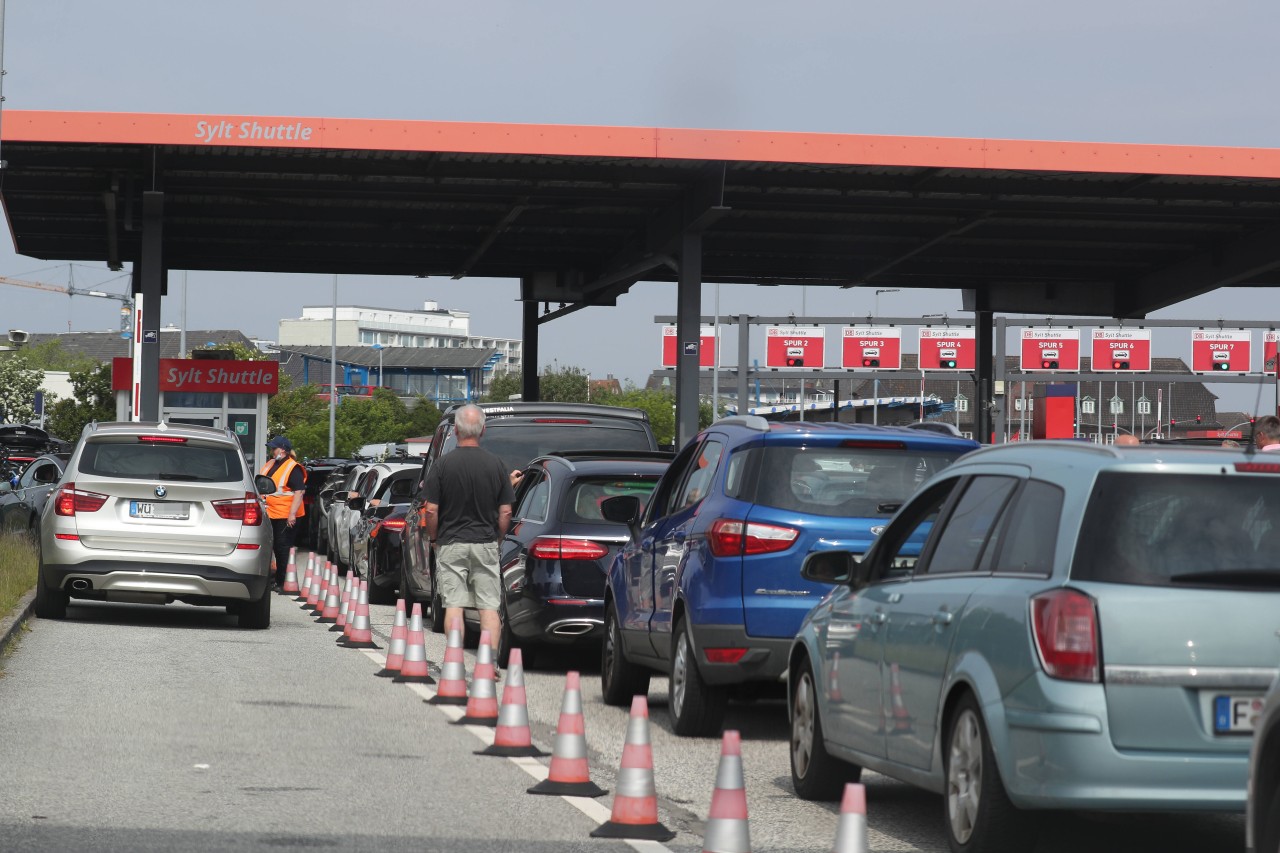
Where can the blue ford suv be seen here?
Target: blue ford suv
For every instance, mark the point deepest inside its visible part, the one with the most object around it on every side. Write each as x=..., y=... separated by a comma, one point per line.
x=708, y=589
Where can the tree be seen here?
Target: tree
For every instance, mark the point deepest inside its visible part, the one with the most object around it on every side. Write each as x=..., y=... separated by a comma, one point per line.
x=288, y=410
x=376, y=419
x=51, y=355
x=424, y=417
x=503, y=388
x=93, y=401
x=18, y=386
x=563, y=385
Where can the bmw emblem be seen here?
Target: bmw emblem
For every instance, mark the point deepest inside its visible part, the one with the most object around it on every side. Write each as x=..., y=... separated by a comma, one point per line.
x=161, y=491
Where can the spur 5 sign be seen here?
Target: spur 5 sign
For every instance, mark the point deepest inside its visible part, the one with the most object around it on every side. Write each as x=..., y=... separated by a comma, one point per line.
x=1046, y=350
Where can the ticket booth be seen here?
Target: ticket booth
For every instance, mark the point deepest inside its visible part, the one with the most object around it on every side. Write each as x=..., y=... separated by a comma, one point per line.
x=222, y=394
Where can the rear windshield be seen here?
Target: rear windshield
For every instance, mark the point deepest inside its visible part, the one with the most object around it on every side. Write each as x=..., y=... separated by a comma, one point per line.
x=518, y=442
x=134, y=460
x=582, y=503
x=1181, y=529
x=842, y=481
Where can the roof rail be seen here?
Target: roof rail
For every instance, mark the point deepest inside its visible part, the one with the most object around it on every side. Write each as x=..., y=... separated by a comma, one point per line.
x=568, y=457
x=754, y=422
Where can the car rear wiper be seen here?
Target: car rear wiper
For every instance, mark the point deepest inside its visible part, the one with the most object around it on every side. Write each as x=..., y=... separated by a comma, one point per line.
x=1260, y=578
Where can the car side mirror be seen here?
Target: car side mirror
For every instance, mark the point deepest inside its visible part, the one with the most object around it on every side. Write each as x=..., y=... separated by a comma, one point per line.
x=264, y=484
x=355, y=502
x=623, y=509
x=835, y=567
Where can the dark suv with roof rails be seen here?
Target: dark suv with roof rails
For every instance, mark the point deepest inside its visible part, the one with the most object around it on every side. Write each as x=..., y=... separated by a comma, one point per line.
x=516, y=433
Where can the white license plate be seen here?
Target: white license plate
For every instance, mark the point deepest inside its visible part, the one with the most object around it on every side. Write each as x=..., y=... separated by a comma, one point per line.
x=159, y=509
x=1236, y=714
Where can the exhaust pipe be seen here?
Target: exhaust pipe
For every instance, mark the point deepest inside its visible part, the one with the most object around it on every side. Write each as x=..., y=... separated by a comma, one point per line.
x=81, y=584
x=573, y=628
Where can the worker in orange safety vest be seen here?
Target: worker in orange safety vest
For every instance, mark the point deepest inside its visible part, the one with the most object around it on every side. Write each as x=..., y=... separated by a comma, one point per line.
x=284, y=506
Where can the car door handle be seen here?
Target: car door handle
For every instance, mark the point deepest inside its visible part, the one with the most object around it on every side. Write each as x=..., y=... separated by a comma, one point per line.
x=942, y=617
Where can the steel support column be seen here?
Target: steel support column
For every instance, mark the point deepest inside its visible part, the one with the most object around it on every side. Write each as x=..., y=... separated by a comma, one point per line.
x=744, y=362
x=529, y=389
x=688, y=317
x=985, y=338
x=152, y=287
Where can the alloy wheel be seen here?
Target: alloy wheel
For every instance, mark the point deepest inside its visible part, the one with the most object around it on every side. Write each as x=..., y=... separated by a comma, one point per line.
x=802, y=716
x=680, y=671
x=964, y=776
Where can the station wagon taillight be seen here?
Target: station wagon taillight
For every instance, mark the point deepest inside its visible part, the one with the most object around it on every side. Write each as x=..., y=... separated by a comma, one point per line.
x=71, y=500
x=555, y=548
x=1065, y=624
x=244, y=510
x=729, y=537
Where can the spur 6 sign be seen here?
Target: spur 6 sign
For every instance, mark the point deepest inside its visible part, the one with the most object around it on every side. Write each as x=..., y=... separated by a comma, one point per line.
x=1050, y=350
x=795, y=346
x=1220, y=350
x=871, y=348
x=1116, y=350
x=948, y=349
x=706, y=346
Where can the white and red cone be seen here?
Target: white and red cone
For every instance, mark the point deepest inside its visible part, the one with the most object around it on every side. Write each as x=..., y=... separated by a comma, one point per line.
x=635, y=798
x=851, y=835
x=569, y=774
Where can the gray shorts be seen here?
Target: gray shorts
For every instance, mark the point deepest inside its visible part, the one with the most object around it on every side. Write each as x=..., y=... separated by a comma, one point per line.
x=467, y=574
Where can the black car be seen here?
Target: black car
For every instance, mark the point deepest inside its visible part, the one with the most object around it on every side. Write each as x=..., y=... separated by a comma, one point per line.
x=385, y=539
x=318, y=471
x=21, y=504
x=557, y=552
x=393, y=492
x=328, y=487
x=516, y=433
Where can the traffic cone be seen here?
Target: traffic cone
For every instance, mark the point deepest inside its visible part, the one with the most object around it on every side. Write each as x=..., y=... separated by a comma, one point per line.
x=511, y=736
x=901, y=719
x=313, y=594
x=851, y=834
x=569, y=774
x=635, y=802
x=452, y=689
x=413, y=669
x=361, y=636
x=727, y=829
x=329, y=614
x=290, y=576
x=345, y=613
x=482, y=699
x=326, y=587
x=305, y=586
x=397, y=646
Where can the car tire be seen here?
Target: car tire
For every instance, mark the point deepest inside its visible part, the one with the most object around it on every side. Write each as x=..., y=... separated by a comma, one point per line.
x=815, y=773
x=378, y=594
x=1268, y=840
x=507, y=642
x=620, y=679
x=696, y=708
x=256, y=615
x=437, y=613
x=978, y=814
x=50, y=603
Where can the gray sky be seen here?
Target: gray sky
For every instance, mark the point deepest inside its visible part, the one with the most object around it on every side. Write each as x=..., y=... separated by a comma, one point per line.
x=1153, y=71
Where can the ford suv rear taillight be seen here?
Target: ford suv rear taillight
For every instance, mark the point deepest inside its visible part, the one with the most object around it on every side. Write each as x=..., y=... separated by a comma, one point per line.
x=555, y=548
x=730, y=537
x=244, y=510
x=71, y=500
x=1065, y=623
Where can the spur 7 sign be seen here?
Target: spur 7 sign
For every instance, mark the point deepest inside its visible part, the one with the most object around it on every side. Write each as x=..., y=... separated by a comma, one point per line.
x=948, y=349
x=1116, y=350
x=871, y=348
x=795, y=346
x=1046, y=350
x=1220, y=350
x=706, y=346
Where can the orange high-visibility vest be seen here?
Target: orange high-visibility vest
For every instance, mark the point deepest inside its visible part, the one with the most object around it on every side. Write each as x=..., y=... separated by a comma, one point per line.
x=278, y=504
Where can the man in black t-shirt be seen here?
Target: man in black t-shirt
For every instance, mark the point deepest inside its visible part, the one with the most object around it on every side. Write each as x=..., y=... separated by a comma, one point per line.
x=469, y=496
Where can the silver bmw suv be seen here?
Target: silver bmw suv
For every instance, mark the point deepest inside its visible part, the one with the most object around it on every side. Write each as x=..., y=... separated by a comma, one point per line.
x=153, y=513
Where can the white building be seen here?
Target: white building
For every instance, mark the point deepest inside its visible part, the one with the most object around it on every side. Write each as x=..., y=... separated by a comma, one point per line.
x=358, y=325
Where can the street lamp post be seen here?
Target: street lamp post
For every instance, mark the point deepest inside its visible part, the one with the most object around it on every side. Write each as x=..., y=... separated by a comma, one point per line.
x=885, y=290
x=379, y=348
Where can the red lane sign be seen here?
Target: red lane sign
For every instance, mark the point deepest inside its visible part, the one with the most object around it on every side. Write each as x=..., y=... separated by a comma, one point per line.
x=1050, y=350
x=1220, y=350
x=948, y=349
x=794, y=346
x=1269, y=352
x=870, y=348
x=1116, y=350
x=706, y=346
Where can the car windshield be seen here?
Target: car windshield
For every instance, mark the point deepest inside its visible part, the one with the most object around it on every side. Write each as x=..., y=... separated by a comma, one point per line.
x=133, y=460
x=860, y=482
x=1181, y=529
x=516, y=443
x=582, y=503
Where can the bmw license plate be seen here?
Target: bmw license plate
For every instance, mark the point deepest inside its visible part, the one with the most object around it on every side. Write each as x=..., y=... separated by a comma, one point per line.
x=1236, y=714
x=159, y=509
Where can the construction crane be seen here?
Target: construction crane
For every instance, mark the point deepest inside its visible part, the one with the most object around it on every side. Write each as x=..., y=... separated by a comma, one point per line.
x=126, y=300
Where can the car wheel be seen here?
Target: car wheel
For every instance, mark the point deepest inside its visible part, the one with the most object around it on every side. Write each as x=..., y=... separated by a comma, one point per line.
x=50, y=603
x=620, y=679
x=980, y=818
x=437, y=614
x=696, y=708
x=256, y=615
x=815, y=773
x=378, y=593
x=1268, y=840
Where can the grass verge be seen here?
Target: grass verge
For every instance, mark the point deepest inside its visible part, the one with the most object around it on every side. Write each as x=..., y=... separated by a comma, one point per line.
x=18, y=563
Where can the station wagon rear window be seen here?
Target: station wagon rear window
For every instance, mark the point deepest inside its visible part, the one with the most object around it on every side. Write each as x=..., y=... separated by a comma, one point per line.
x=178, y=462
x=518, y=442
x=1181, y=530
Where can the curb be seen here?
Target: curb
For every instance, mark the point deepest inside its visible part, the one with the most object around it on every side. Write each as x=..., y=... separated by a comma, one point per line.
x=11, y=623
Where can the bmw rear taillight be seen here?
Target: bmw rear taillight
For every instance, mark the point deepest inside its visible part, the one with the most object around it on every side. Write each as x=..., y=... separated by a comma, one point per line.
x=1065, y=624
x=245, y=510
x=396, y=524
x=555, y=548
x=71, y=500
x=730, y=537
